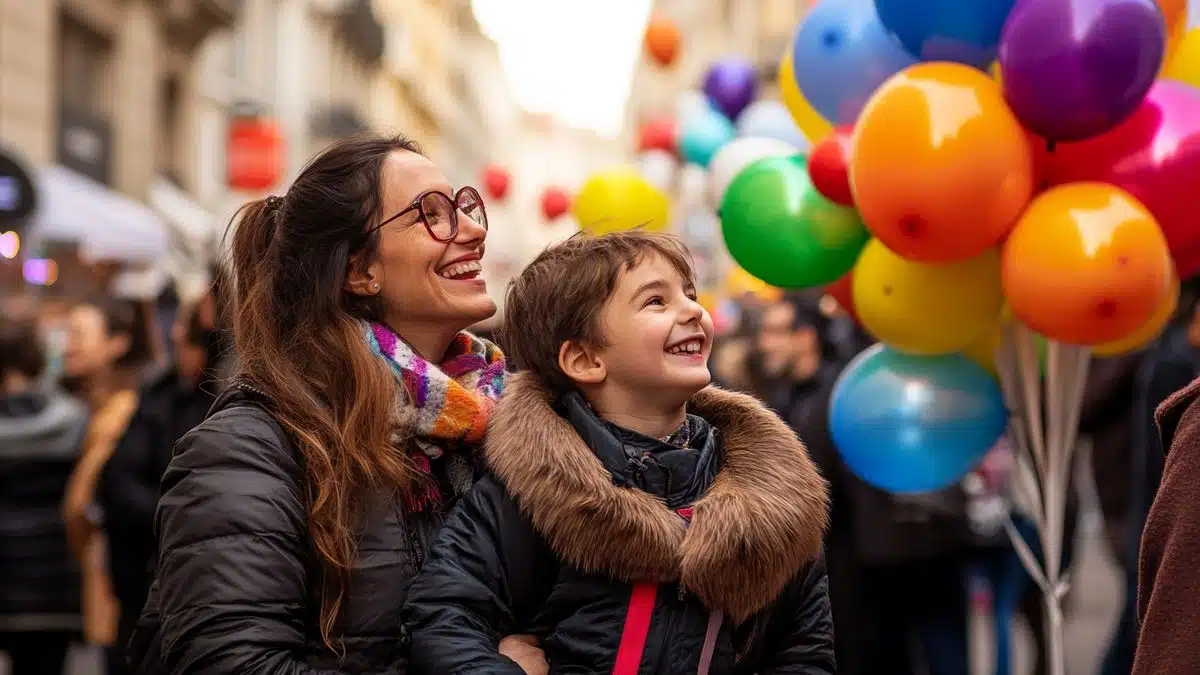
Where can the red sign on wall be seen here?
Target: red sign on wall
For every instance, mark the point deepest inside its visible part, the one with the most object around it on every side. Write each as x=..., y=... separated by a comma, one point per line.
x=255, y=154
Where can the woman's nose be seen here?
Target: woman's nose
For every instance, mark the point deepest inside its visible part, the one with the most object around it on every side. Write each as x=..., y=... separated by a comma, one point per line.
x=469, y=231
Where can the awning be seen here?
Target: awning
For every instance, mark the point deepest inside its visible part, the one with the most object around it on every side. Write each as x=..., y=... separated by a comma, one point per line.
x=194, y=235
x=106, y=224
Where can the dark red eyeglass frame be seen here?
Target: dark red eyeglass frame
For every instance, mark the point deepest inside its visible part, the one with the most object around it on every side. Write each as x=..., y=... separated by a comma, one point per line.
x=418, y=204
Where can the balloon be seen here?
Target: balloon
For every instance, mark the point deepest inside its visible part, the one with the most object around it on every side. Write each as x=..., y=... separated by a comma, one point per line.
x=828, y=165
x=658, y=133
x=555, y=202
x=907, y=423
x=983, y=351
x=781, y=230
x=731, y=85
x=954, y=182
x=662, y=40
x=737, y=155
x=927, y=308
x=620, y=199
x=702, y=134
x=842, y=54
x=1148, y=331
x=659, y=168
x=692, y=103
x=1102, y=254
x=842, y=290
x=947, y=30
x=1175, y=15
x=693, y=187
x=496, y=180
x=1155, y=156
x=1184, y=66
x=770, y=119
x=740, y=282
x=1076, y=68
x=806, y=117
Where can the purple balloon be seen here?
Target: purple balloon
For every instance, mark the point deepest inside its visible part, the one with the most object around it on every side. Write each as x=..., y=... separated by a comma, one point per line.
x=731, y=85
x=1073, y=69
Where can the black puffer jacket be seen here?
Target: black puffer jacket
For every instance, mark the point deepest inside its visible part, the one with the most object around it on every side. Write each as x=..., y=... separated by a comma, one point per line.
x=237, y=588
x=40, y=439
x=579, y=508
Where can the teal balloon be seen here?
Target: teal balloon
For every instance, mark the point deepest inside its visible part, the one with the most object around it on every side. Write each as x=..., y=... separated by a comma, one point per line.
x=780, y=229
x=908, y=424
x=702, y=133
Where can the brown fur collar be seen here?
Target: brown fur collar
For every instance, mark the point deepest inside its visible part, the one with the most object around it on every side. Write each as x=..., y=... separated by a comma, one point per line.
x=759, y=524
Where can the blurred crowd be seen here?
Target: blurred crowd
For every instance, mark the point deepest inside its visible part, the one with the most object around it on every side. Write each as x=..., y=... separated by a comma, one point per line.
x=97, y=391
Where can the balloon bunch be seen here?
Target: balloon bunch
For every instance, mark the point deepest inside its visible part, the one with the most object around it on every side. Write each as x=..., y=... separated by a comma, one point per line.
x=997, y=185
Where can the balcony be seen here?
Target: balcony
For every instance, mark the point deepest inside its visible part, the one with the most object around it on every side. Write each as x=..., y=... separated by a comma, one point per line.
x=188, y=22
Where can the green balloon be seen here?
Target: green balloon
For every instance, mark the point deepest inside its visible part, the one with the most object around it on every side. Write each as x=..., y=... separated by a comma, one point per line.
x=780, y=229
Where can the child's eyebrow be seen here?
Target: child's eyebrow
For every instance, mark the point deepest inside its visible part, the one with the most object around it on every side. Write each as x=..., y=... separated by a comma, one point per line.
x=656, y=284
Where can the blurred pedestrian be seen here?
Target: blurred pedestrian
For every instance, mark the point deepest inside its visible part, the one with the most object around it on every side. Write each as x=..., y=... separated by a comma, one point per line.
x=170, y=404
x=41, y=434
x=102, y=352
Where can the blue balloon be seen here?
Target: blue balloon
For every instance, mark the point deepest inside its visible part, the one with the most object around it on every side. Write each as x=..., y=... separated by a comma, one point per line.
x=841, y=54
x=907, y=423
x=702, y=133
x=965, y=31
x=771, y=119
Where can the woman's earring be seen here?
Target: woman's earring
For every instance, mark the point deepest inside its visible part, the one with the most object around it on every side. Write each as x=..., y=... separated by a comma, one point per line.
x=374, y=286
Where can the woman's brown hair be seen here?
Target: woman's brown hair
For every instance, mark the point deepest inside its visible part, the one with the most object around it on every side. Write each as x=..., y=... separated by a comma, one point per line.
x=300, y=339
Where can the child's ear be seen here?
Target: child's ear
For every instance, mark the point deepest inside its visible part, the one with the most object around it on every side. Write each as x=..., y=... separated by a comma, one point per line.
x=581, y=363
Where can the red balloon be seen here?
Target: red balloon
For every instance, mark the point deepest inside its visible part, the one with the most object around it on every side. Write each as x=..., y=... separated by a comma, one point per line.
x=658, y=133
x=555, y=202
x=842, y=290
x=496, y=181
x=1155, y=156
x=828, y=167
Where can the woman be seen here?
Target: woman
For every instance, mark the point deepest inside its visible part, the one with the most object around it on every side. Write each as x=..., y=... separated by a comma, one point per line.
x=293, y=520
x=102, y=349
x=41, y=431
x=170, y=405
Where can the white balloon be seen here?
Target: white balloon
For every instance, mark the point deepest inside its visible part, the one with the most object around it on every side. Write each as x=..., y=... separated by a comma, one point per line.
x=737, y=155
x=659, y=168
x=770, y=119
x=693, y=186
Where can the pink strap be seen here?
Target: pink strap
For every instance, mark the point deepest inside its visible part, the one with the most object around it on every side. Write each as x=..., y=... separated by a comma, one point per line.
x=710, y=641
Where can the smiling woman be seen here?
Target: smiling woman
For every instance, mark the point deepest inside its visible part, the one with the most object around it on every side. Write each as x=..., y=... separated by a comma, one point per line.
x=307, y=498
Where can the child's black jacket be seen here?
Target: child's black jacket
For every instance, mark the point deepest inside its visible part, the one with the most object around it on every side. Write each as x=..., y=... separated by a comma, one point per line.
x=579, y=508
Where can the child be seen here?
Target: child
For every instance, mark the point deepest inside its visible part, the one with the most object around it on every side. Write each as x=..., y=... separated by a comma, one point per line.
x=637, y=520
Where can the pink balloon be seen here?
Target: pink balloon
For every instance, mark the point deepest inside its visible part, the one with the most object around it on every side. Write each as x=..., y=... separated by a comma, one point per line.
x=1155, y=156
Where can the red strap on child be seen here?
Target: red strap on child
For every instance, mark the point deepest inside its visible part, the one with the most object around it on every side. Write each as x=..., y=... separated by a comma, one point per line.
x=637, y=626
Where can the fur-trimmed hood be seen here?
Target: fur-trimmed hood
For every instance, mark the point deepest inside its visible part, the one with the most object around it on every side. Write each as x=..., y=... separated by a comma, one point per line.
x=757, y=527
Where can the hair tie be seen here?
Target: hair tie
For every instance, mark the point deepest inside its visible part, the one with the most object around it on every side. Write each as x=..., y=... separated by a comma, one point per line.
x=274, y=202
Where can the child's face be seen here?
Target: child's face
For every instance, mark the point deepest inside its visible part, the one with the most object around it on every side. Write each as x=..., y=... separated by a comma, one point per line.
x=658, y=336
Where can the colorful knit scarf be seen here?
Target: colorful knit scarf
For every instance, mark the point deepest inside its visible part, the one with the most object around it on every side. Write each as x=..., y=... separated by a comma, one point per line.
x=452, y=402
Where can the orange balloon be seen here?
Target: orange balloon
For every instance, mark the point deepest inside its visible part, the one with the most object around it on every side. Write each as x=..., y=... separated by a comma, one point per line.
x=939, y=166
x=1145, y=334
x=1175, y=14
x=662, y=40
x=1087, y=264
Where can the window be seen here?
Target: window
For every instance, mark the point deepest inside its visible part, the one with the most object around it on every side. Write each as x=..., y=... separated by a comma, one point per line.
x=84, y=68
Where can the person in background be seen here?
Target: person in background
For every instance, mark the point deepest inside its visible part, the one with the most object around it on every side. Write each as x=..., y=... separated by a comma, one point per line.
x=41, y=432
x=170, y=405
x=1163, y=515
x=102, y=352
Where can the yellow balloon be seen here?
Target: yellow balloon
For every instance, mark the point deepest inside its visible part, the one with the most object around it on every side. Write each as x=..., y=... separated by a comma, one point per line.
x=620, y=199
x=1148, y=331
x=1184, y=65
x=983, y=350
x=924, y=308
x=740, y=281
x=807, y=118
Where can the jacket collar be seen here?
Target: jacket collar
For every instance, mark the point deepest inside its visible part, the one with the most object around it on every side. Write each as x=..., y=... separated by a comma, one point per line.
x=759, y=524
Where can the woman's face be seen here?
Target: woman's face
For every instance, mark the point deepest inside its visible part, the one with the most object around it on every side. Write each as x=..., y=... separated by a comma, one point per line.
x=91, y=349
x=411, y=268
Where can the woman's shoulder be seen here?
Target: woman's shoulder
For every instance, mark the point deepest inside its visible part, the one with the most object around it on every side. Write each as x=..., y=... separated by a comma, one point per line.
x=240, y=430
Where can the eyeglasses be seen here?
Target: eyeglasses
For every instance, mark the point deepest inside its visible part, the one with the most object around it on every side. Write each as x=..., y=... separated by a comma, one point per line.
x=439, y=212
